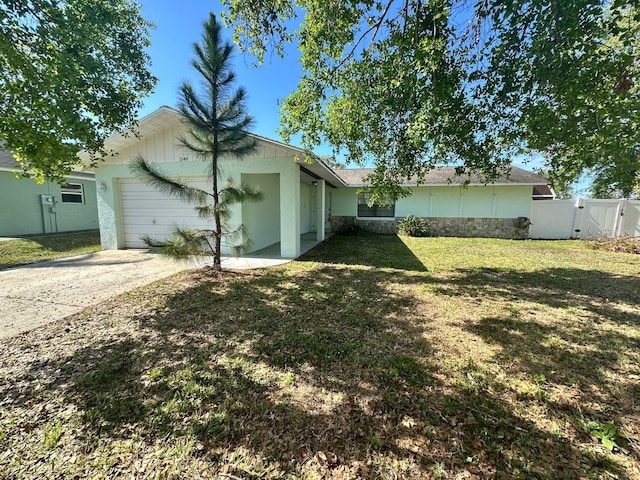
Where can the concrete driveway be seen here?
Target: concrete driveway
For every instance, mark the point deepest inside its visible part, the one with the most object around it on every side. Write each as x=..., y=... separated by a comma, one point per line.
x=34, y=295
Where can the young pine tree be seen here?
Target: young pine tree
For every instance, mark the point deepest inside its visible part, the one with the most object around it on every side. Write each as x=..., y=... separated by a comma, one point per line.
x=217, y=124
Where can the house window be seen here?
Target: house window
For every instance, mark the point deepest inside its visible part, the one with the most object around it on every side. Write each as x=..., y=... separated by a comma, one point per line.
x=72, y=193
x=364, y=210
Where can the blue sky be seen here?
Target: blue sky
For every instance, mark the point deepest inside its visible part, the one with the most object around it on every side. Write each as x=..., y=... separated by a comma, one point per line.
x=178, y=26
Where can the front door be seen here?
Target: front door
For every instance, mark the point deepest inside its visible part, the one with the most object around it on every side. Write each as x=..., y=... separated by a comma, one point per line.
x=327, y=215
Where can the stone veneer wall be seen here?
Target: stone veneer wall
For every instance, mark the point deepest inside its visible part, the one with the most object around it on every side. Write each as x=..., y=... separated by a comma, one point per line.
x=512, y=228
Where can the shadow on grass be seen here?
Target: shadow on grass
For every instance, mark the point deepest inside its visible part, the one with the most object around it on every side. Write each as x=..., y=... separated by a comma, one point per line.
x=328, y=372
x=587, y=349
x=380, y=251
x=37, y=249
x=599, y=291
x=570, y=327
x=62, y=242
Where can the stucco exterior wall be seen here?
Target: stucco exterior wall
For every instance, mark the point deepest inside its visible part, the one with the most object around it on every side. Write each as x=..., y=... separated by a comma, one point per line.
x=491, y=201
x=475, y=211
x=78, y=216
x=344, y=202
x=22, y=212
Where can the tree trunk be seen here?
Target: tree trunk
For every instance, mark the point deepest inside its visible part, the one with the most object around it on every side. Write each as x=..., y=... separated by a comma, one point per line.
x=217, y=261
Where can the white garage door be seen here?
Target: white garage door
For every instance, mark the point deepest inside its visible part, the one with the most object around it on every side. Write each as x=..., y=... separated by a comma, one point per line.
x=146, y=211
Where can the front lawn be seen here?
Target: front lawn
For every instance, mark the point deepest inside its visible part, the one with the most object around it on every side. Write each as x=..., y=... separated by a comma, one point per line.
x=47, y=247
x=370, y=357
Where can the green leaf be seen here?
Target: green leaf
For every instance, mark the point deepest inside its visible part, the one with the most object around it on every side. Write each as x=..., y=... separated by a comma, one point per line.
x=608, y=443
x=407, y=86
x=73, y=73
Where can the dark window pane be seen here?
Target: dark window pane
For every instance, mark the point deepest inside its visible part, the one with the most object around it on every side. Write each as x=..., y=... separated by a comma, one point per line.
x=71, y=198
x=72, y=193
x=364, y=210
x=375, y=211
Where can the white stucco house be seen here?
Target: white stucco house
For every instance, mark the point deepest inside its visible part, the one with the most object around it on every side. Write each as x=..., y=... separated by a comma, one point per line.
x=299, y=197
x=295, y=192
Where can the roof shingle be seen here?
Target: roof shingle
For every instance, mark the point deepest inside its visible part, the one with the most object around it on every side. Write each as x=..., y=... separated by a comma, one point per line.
x=447, y=176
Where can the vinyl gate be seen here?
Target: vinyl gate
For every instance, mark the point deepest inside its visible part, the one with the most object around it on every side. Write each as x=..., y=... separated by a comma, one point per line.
x=580, y=218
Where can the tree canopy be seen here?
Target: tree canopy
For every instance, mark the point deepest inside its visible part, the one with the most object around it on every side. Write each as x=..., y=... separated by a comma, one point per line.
x=73, y=72
x=411, y=84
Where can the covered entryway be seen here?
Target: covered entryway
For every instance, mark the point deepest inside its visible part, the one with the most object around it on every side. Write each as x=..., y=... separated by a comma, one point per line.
x=262, y=219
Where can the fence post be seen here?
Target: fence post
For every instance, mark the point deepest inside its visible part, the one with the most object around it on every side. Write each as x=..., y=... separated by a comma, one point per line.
x=577, y=217
x=622, y=206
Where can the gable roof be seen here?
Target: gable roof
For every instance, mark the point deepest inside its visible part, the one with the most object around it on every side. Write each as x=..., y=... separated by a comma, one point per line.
x=447, y=176
x=166, y=117
x=9, y=163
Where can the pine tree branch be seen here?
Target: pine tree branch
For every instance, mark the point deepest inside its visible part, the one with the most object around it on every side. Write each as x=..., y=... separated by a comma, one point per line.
x=154, y=177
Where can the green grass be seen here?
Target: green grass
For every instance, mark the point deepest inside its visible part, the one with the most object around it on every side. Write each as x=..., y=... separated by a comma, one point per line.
x=47, y=247
x=370, y=357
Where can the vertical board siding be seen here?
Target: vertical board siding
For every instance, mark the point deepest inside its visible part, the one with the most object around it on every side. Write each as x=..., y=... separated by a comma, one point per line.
x=553, y=219
x=631, y=219
x=598, y=219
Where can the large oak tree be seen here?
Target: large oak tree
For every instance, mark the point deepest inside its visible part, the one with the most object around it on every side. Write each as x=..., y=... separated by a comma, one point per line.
x=73, y=72
x=411, y=84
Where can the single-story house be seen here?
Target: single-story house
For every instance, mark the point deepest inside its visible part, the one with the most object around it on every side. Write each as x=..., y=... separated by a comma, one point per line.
x=299, y=197
x=30, y=208
x=294, y=202
x=452, y=205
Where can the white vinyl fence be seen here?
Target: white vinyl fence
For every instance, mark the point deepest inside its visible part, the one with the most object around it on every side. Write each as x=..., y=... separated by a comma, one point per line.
x=580, y=218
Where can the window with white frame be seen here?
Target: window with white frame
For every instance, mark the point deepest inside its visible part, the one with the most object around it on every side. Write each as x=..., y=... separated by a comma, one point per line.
x=72, y=193
x=364, y=210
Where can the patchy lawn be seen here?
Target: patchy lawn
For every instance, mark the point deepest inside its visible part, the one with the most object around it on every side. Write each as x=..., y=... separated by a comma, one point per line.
x=47, y=247
x=371, y=357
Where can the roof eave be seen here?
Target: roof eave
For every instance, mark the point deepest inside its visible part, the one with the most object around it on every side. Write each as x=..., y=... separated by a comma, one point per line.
x=453, y=184
x=73, y=175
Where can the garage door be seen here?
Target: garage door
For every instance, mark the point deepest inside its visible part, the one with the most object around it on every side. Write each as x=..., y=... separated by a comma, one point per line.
x=145, y=211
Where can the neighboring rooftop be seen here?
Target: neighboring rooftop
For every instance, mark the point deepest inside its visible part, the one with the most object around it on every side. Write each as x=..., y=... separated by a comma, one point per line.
x=447, y=176
x=7, y=161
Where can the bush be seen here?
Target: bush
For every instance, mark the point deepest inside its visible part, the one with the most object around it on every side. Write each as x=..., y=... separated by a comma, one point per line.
x=412, y=226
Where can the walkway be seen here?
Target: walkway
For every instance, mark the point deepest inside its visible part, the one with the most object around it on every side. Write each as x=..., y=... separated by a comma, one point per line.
x=268, y=256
